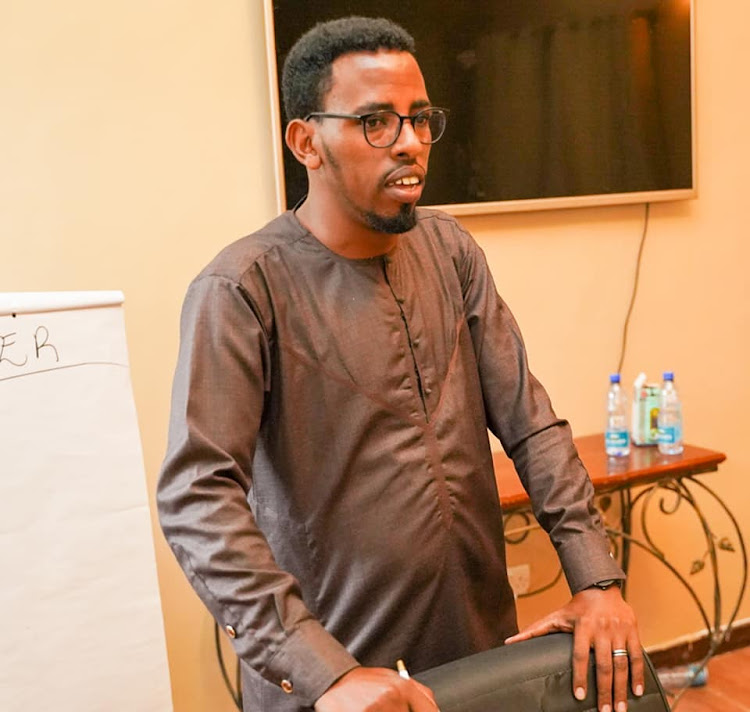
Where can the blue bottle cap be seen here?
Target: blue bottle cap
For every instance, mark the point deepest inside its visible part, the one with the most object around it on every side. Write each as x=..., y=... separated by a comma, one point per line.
x=614, y=378
x=668, y=375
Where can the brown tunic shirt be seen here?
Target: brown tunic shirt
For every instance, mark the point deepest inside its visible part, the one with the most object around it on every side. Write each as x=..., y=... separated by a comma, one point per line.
x=328, y=486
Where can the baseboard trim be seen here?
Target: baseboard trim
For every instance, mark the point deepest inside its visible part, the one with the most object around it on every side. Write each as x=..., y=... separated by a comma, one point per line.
x=691, y=650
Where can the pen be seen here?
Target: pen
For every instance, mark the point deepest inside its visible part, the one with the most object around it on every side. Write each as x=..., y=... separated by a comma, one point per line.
x=402, y=671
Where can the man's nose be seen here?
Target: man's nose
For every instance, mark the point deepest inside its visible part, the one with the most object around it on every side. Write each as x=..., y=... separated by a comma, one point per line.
x=407, y=142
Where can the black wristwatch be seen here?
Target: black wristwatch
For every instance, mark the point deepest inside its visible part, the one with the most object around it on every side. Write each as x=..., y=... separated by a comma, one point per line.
x=607, y=583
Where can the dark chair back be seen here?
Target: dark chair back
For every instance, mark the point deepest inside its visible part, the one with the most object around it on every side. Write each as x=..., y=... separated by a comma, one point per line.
x=529, y=676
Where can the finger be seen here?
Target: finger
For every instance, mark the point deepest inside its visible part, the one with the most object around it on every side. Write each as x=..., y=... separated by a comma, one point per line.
x=541, y=627
x=581, y=654
x=620, y=685
x=637, y=664
x=426, y=691
x=604, y=668
x=420, y=698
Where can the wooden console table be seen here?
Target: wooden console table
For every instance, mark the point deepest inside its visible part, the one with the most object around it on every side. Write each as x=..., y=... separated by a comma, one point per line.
x=640, y=480
x=644, y=465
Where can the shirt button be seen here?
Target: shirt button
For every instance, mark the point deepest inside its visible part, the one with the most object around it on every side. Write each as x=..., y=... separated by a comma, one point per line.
x=287, y=686
x=231, y=632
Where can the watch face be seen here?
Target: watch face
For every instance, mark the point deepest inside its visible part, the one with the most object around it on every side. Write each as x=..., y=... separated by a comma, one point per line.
x=604, y=585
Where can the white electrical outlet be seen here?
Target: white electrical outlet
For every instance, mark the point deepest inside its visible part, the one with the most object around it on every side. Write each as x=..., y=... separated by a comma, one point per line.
x=520, y=578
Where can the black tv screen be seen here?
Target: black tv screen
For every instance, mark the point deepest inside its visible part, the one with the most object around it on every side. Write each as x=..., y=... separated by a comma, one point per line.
x=553, y=103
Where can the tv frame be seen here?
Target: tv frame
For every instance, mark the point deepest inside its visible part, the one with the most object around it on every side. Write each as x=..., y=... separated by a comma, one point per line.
x=491, y=206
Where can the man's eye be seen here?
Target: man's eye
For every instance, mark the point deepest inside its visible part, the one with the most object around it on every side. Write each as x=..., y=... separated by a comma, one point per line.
x=422, y=120
x=375, y=122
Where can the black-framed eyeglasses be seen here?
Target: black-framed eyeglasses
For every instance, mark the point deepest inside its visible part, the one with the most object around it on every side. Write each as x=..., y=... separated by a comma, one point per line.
x=382, y=128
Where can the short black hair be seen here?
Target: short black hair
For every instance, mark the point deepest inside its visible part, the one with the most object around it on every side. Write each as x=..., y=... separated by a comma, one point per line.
x=306, y=76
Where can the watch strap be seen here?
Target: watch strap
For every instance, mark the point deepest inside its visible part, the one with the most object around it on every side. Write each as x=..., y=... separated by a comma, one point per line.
x=606, y=583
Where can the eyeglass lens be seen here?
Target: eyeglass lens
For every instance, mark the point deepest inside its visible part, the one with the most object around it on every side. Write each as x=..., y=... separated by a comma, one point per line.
x=383, y=127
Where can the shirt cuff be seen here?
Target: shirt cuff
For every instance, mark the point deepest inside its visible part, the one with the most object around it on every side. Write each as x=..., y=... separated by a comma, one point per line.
x=586, y=559
x=309, y=662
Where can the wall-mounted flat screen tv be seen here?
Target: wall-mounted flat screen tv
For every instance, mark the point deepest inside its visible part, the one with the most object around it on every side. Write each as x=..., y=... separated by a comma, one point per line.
x=553, y=103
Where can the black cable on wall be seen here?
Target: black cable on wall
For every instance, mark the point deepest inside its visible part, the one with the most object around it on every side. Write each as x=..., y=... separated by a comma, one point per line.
x=625, y=327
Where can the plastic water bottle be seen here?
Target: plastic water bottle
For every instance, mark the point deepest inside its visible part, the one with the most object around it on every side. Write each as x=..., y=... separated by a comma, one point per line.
x=617, y=433
x=670, y=417
x=683, y=676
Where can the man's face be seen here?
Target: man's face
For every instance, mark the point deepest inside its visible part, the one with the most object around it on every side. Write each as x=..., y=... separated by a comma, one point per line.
x=374, y=187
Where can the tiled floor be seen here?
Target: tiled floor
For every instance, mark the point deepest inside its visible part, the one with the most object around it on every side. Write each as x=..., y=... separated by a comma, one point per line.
x=728, y=688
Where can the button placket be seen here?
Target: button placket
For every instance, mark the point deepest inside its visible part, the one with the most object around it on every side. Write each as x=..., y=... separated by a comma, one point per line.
x=400, y=301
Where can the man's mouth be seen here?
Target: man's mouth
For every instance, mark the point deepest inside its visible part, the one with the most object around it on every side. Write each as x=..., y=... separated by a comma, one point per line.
x=405, y=184
x=406, y=180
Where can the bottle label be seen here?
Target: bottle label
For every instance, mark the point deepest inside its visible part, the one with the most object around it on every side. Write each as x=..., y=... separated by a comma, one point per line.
x=617, y=438
x=645, y=415
x=670, y=434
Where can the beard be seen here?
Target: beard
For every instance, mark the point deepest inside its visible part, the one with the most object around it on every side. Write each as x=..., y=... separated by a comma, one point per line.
x=403, y=221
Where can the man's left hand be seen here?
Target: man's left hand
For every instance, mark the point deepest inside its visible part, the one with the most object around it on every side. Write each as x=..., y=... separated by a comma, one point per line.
x=601, y=620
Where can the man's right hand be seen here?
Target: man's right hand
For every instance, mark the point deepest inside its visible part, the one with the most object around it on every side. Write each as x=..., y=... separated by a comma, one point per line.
x=376, y=689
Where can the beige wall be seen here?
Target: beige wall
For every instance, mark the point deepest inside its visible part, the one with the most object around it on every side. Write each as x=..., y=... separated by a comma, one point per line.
x=136, y=142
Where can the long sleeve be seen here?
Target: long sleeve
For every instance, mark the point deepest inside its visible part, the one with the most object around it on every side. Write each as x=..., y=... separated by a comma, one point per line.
x=520, y=414
x=221, y=381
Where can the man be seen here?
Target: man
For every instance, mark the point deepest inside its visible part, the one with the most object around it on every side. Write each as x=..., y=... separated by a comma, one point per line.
x=328, y=486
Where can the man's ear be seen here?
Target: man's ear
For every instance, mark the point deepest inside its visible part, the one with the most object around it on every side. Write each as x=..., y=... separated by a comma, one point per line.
x=299, y=137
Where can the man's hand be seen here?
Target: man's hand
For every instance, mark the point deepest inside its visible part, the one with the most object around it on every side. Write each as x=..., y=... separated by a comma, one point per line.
x=376, y=689
x=601, y=620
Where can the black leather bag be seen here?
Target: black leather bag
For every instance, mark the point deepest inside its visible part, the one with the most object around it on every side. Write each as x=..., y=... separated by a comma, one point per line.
x=528, y=676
